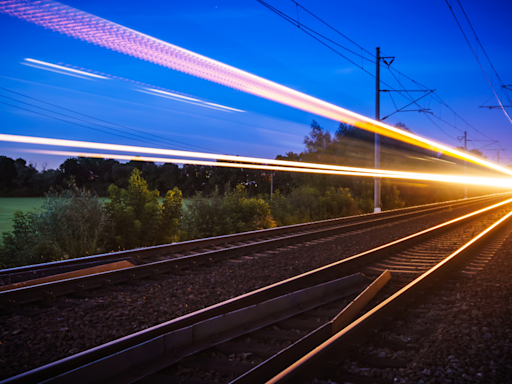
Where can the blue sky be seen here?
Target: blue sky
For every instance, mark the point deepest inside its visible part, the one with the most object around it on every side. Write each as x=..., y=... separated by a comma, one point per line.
x=423, y=36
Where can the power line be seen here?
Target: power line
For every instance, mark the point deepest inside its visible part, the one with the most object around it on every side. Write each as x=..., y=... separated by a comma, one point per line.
x=398, y=81
x=303, y=27
x=85, y=121
x=70, y=122
x=95, y=118
x=334, y=29
x=476, y=56
x=438, y=99
x=81, y=125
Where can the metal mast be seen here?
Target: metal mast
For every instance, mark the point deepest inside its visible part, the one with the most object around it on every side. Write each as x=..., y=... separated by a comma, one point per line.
x=376, y=180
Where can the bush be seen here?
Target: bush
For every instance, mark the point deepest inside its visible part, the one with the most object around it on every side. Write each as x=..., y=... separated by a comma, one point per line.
x=139, y=219
x=70, y=224
x=225, y=214
x=305, y=204
x=246, y=214
x=390, y=196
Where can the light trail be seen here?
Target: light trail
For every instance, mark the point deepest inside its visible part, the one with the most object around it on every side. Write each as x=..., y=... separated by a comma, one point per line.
x=178, y=153
x=73, y=22
x=242, y=161
x=185, y=99
x=487, y=181
x=41, y=64
x=150, y=91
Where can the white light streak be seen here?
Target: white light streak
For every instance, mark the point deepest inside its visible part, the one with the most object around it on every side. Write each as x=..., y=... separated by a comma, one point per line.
x=66, y=69
x=186, y=99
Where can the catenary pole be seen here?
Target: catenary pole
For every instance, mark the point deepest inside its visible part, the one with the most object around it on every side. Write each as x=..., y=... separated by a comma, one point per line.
x=376, y=181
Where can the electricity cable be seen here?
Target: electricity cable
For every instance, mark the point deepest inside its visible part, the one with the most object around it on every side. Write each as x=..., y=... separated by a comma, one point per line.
x=105, y=121
x=359, y=46
x=78, y=124
x=476, y=56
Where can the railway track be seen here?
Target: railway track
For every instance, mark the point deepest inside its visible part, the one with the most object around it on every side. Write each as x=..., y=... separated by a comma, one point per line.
x=253, y=338
x=379, y=326
x=25, y=285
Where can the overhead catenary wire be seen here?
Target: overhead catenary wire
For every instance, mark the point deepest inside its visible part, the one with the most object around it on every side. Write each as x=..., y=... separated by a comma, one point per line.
x=303, y=27
x=391, y=69
x=183, y=145
x=82, y=125
x=502, y=84
x=476, y=56
x=334, y=29
x=438, y=98
x=296, y=23
x=75, y=118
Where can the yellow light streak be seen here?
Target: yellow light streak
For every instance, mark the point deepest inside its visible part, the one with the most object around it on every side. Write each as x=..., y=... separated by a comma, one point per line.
x=202, y=155
x=368, y=172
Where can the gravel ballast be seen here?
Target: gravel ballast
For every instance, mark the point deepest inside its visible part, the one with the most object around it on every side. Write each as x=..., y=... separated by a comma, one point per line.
x=72, y=325
x=461, y=334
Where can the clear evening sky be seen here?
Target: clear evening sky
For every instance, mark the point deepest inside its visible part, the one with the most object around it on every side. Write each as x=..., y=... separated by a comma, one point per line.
x=422, y=35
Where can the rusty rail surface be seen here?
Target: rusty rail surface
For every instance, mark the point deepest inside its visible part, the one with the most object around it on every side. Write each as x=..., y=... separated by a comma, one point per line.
x=69, y=367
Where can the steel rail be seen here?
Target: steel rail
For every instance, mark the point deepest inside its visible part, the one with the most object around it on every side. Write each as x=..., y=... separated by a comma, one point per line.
x=34, y=293
x=337, y=346
x=18, y=274
x=53, y=371
x=158, y=353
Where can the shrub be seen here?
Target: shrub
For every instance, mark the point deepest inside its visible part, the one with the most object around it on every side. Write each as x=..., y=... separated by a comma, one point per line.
x=139, y=219
x=305, y=204
x=69, y=224
x=246, y=214
x=390, y=196
x=338, y=202
x=232, y=212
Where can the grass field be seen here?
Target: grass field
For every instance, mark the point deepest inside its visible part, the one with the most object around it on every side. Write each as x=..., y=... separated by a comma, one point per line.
x=9, y=205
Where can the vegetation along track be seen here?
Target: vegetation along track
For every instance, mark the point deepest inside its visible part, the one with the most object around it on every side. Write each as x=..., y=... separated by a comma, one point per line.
x=181, y=257
x=279, y=315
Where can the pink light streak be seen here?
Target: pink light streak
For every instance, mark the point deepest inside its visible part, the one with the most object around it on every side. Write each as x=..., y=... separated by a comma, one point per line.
x=84, y=26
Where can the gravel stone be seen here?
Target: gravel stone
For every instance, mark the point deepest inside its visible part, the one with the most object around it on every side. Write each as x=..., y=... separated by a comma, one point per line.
x=29, y=342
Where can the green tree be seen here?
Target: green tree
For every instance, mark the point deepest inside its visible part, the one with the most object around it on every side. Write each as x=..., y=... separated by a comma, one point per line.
x=139, y=219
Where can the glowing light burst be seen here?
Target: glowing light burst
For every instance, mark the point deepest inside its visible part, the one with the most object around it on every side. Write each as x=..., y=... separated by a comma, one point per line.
x=93, y=29
x=241, y=161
